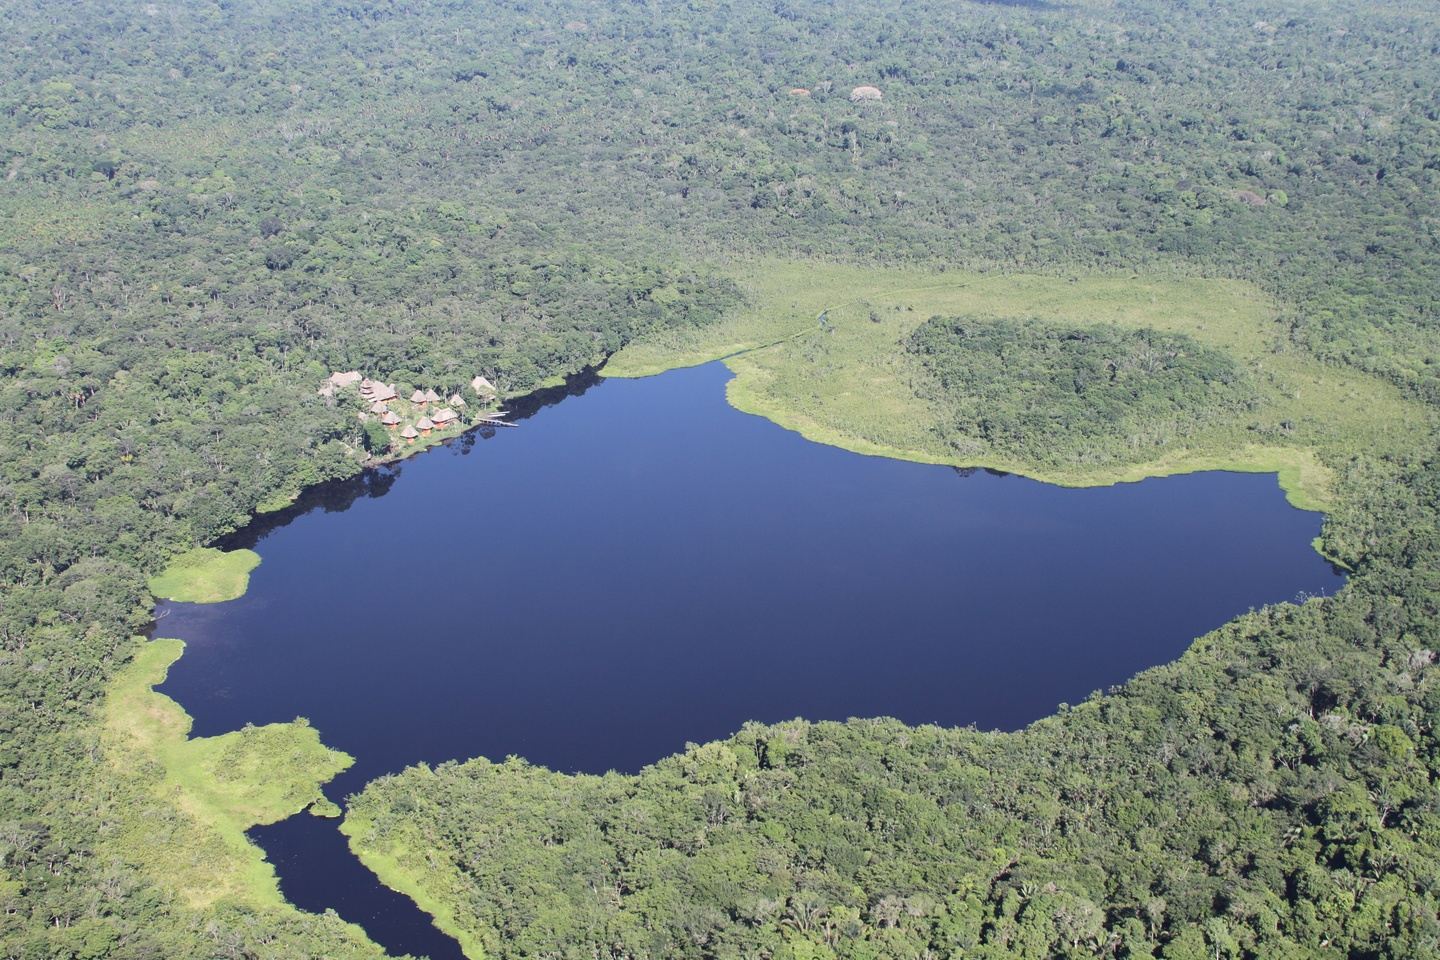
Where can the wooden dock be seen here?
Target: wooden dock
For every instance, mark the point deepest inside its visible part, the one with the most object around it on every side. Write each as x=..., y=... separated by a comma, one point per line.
x=494, y=419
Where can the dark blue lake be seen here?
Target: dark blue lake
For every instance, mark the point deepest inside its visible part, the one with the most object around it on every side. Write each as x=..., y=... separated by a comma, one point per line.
x=642, y=565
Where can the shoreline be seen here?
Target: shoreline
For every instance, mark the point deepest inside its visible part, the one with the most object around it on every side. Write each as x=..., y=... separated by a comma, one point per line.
x=388, y=871
x=1303, y=478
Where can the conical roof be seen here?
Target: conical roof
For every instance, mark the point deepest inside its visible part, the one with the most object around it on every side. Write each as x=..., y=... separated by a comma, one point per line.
x=409, y=433
x=418, y=396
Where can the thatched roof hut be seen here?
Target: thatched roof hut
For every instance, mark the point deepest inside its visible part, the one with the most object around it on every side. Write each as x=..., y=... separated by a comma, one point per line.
x=481, y=385
x=409, y=434
x=377, y=392
x=425, y=425
x=865, y=93
x=390, y=419
x=418, y=397
x=379, y=407
x=456, y=400
x=431, y=396
x=341, y=380
x=443, y=418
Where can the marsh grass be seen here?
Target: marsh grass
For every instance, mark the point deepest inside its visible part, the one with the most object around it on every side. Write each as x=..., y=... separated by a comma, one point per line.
x=200, y=795
x=848, y=381
x=206, y=575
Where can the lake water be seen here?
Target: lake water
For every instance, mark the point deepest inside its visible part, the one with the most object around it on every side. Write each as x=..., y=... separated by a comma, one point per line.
x=639, y=566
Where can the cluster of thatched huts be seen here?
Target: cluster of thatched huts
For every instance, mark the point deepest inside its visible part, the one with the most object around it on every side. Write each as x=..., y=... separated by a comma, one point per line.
x=430, y=411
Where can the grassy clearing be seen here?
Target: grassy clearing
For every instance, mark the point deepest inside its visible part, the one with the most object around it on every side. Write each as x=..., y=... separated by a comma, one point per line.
x=206, y=575
x=850, y=383
x=395, y=869
x=198, y=796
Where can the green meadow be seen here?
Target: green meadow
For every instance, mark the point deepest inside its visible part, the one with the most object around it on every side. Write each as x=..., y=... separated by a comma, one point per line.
x=848, y=380
x=206, y=575
x=196, y=797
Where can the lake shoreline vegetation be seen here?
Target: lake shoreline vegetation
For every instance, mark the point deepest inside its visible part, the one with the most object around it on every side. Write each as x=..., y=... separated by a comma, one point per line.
x=205, y=575
x=397, y=871
x=865, y=369
x=205, y=212
x=192, y=799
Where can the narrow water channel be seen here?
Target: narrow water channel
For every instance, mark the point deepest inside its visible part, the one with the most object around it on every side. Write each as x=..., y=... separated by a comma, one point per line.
x=641, y=566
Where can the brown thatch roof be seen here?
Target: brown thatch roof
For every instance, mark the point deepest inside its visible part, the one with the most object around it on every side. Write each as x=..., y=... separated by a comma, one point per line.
x=409, y=433
x=481, y=385
x=865, y=93
x=431, y=396
x=378, y=407
x=425, y=423
x=799, y=92
x=456, y=400
x=345, y=379
x=390, y=419
x=418, y=396
x=377, y=392
x=445, y=416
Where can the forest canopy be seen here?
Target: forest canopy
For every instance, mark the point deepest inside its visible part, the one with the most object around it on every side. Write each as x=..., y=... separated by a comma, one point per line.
x=1032, y=388
x=207, y=207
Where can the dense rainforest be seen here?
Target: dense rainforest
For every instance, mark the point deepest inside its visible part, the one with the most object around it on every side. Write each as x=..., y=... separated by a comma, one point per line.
x=206, y=207
x=1030, y=388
